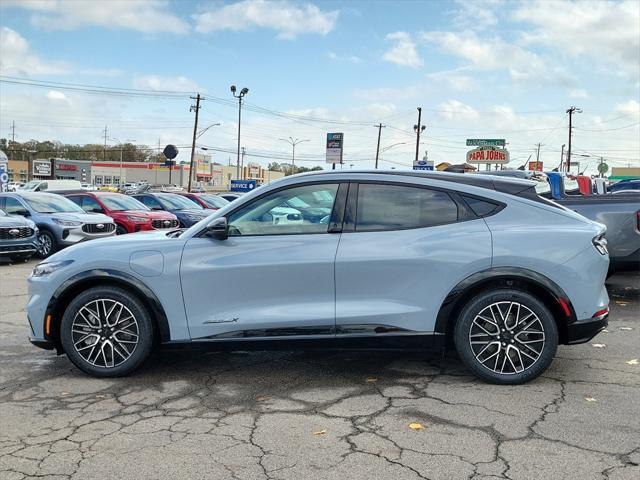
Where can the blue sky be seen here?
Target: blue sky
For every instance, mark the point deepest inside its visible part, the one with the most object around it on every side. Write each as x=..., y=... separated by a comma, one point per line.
x=479, y=69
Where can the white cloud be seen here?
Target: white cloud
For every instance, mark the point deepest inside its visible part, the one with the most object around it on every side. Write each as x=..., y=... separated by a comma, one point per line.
x=608, y=31
x=454, y=80
x=172, y=84
x=631, y=108
x=147, y=16
x=404, y=52
x=496, y=54
x=336, y=57
x=476, y=14
x=578, y=93
x=55, y=95
x=287, y=18
x=456, y=110
x=17, y=58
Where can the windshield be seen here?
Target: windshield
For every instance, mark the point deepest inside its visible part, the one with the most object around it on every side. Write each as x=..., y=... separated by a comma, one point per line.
x=51, y=203
x=177, y=202
x=31, y=185
x=214, y=201
x=118, y=203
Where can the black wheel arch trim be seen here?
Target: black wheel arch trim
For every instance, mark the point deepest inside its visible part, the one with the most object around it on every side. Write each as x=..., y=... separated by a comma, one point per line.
x=455, y=298
x=96, y=277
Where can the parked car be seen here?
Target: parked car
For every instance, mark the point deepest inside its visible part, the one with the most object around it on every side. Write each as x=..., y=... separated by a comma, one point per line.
x=14, y=186
x=51, y=185
x=206, y=200
x=188, y=212
x=60, y=222
x=626, y=184
x=89, y=187
x=619, y=213
x=129, y=214
x=18, y=237
x=405, y=259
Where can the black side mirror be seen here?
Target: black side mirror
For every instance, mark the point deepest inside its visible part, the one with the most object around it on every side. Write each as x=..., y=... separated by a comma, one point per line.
x=22, y=213
x=218, y=229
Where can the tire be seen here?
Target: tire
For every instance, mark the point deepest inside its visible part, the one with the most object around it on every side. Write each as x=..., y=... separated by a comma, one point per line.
x=19, y=258
x=47, y=244
x=120, y=230
x=503, y=357
x=116, y=352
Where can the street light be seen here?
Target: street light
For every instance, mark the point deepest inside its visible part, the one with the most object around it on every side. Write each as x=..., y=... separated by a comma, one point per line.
x=239, y=96
x=201, y=132
x=120, y=143
x=293, y=144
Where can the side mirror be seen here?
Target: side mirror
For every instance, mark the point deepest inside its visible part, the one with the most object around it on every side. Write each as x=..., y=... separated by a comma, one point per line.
x=218, y=229
x=22, y=213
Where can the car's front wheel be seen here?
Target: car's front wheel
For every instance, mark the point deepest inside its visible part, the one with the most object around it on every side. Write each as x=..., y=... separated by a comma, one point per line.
x=506, y=336
x=46, y=244
x=106, y=332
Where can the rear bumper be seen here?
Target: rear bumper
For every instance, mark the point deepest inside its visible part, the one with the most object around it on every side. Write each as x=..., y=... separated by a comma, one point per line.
x=582, y=331
x=44, y=344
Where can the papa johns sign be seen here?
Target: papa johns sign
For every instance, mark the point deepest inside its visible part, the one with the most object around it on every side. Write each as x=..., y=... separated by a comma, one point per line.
x=488, y=155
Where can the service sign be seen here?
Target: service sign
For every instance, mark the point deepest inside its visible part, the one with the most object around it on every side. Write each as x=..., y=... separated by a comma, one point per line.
x=491, y=155
x=41, y=168
x=242, y=185
x=334, y=147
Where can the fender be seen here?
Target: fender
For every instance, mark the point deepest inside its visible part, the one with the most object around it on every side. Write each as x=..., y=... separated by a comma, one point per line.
x=113, y=277
x=505, y=274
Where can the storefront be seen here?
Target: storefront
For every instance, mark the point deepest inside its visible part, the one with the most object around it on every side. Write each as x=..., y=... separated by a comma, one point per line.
x=72, y=169
x=18, y=171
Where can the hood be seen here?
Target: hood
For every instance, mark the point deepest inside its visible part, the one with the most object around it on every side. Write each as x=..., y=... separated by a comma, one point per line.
x=155, y=214
x=82, y=217
x=199, y=213
x=16, y=221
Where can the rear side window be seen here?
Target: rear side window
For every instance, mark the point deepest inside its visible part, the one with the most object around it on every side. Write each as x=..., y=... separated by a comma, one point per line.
x=397, y=207
x=481, y=207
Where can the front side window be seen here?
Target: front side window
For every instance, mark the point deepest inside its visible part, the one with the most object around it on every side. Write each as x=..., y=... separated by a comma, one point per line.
x=90, y=205
x=274, y=215
x=13, y=206
x=397, y=207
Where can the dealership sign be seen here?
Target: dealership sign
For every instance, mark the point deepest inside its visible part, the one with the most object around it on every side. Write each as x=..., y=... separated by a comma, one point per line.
x=486, y=142
x=491, y=155
x=334, y=147
x=4, y=175
x=41, y=168
x=242, y=185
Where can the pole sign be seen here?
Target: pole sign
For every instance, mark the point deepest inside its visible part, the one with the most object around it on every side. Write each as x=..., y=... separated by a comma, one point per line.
x=334, y=147
x=488, y=155
x=486, y=142
x=535, y=166
x=42, y=168
x=424, y=164
x=4, y=175
x=243, y=185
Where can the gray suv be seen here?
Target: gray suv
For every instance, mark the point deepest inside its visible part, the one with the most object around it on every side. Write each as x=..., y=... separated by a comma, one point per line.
x=60, y=222
x=18, y=237
x=482, y=264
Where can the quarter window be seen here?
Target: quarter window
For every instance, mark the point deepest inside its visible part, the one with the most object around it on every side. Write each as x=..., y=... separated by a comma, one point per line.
x=397, y=207
x=295, y=210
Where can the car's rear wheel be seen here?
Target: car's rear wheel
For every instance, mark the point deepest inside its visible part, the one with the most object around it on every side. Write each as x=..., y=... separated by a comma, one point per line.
x=46, y=244
x=506, y=336
x=106, y=332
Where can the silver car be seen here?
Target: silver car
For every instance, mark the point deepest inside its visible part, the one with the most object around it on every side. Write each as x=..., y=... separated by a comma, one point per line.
x=482, y=264
x=60, y=222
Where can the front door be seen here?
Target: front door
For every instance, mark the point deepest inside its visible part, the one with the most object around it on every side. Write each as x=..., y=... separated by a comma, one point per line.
x=273, y=276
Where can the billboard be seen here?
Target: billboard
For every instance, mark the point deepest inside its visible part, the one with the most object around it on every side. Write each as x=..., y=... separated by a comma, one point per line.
x=535, y=166
x=488, y=154
x=41, y=168
x=334, y=147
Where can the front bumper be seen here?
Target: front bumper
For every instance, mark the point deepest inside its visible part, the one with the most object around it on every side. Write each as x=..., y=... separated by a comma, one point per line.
x=72, y=235
x=581, y=331
x=23, y=247
x=44, y=344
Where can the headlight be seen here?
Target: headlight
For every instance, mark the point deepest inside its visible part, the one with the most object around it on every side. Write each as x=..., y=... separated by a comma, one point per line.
x=67, y=223
x=46, y=268
x=133, y=218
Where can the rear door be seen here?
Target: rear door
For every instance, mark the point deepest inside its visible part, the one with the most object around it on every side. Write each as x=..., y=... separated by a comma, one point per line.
x=403, y=248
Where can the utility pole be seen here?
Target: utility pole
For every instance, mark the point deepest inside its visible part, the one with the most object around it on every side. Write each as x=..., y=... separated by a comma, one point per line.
x=538, y=151
x=104, y=152
x=13, y=140
x=571, y=111
x=418, y=129
x=561, y=158
x=600, y=168
x=379, y=127
x=195, y=108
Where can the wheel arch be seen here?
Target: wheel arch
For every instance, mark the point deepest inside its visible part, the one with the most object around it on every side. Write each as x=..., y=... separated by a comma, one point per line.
x=524, y=279
x=105, y=277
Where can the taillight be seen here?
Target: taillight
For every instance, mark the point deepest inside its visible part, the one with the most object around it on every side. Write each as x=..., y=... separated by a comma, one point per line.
x=601, y=244
x=601, y=313
x=638, y=220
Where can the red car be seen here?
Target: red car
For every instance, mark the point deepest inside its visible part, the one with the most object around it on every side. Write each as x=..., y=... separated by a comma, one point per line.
x=206, y=200
x=129, y=214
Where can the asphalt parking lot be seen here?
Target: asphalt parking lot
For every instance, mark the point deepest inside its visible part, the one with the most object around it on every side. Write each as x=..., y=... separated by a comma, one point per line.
x=319, y=415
